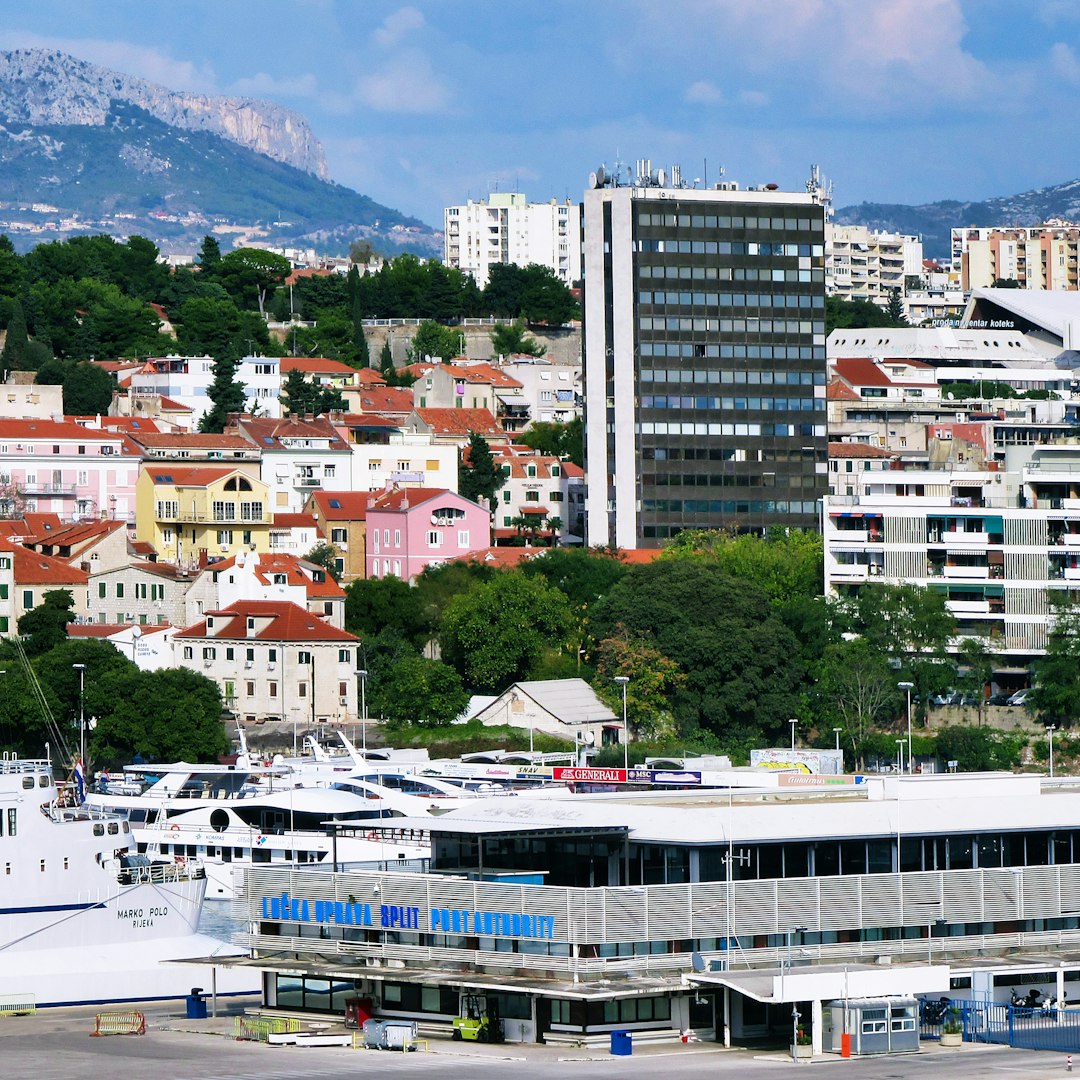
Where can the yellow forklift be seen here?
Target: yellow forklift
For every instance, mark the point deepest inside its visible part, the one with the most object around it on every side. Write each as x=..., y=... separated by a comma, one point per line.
x=479, y=1022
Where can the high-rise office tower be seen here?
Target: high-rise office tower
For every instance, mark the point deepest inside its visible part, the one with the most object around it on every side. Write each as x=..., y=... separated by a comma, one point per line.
x=704, y=357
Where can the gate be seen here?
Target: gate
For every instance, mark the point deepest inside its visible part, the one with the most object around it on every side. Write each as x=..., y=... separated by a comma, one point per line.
x=1029, y=1029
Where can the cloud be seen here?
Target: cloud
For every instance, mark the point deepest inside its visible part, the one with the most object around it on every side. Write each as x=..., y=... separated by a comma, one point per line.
x=399, y=24
x=265, y=85
x=1064, y=63
x=125, y=56
x=703, y=92
x=406, y=85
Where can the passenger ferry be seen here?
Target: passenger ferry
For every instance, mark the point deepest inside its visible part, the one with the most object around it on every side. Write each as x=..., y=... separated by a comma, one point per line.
x=84, y=917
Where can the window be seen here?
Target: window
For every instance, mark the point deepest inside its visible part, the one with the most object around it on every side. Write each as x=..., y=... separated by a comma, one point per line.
x=434, y=538
x=303, y=658
x=249, y=654
x=249, y=689
x=209, y=652
x=224, y=511
x=338, y=536
x=301, y=690
x=101, y=590
x=463, y=538
x=28, y=599
x=344, y=656
x=272, y=689
x=225, y=537
x=168, y=508
x=119, y=590
x=330, y=470
x=397, y=538
x=189, y=652
x=230, y=653
x=532, y=496
x=167, y=536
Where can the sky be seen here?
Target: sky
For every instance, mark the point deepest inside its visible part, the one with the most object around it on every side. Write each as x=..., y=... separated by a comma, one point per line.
x=427, y=104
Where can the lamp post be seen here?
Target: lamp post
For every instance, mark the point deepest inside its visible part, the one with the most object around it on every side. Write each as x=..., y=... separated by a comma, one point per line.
x=1051, y=728
x=793, y=722
x=362, y=676
x=81, y=669
x=836, y=732
x=622, y=680
x=794, y=1005
x=900, y=755
x=907, y=687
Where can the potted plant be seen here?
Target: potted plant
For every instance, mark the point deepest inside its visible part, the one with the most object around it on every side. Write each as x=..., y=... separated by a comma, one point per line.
x=803, y=1047
x=952, y=1033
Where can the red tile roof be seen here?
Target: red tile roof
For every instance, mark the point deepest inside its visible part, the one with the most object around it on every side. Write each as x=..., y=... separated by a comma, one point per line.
x=350, y=505
x=268, y=433
x=505, y=557
x=287, y=622
x=483, y=373
x=408, y=498
x=186, y=475
x=370, y=377
x=572, y=471
x=865, y=371
x=397, y=400
x=37, y=522
x=189, y=441
x=316, y=365
x=32, y=568
x=294, y=521
x=78, y=533
x=462, y=422
x=856, y=450
x=838, y=390
x=40, y=430
x=279, y=562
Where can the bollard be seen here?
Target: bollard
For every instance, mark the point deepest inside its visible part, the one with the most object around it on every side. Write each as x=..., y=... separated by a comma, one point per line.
x=1068, y=1063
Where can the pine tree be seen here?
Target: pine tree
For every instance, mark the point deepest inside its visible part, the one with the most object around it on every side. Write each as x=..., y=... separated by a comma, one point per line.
x=209, y=254
x=17, y=342
x=895, y=309
x=386, y=358
x=298, y=395
x=478, y=475
x=362, y=353
x=225, y=392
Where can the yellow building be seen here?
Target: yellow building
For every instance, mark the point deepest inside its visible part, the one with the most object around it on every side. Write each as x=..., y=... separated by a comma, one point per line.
x=191, y=515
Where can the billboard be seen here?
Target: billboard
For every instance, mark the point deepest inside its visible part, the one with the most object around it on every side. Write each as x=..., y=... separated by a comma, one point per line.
x=814, y=762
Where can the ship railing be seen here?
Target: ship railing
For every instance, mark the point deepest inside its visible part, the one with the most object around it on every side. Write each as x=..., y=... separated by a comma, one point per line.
x=14, y=766
x=161, y=873
x=66, y=810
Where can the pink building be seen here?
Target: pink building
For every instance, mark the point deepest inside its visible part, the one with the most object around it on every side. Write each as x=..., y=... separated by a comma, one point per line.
x=74, y=471
x=411, y=528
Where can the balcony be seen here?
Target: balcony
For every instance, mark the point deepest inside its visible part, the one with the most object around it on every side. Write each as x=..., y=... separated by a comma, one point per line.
x=968, y=607
x=27, y=488
x=308, y=480
x=955, y=538
x=850, y=572
x=967, y=573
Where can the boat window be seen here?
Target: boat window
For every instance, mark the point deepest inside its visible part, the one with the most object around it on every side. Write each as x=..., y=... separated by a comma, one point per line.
x=114, y=828
x=43, y=780
x=27, y=781
x=99, y=829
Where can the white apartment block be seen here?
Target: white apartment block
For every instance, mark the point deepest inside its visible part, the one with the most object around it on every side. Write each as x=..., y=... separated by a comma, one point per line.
x=28, y=400
x=261, y=377
x=183, y=379
x=553, y=392
x=409, y=460
x=861, y=264
x=1042, y=257
x=507, y=228
x=996, y=542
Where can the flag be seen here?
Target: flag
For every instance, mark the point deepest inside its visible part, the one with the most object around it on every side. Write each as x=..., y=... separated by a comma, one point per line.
x=80, y=782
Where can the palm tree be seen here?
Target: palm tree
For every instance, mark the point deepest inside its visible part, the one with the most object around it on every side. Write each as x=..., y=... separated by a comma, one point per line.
x=554, y=524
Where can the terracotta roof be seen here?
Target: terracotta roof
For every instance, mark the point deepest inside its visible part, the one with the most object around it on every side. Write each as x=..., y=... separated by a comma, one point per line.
x=865, y=371
x=37, y=522
x=342, y=505
x=308, y=272
x=169, y=405
x=386, y=399
x=367, y=420
x=294, y=521
x=96, y=630
x=287, y=622
x=482, y=373
x=530, y=509
x=185, y=475
x=572, y=471
x=280, y=562
x=143, y=425
x=856, y=450
x=504, y=557
x=116, y=365
x=39, y=430
x=77, y=533
x=315, y=365
x=637, y=556
x=267, y=433
x=460, y=421
x=368, y=376
x=189, y=440
x=32, y=568
x=141, y=547
x=838, y=390
x=408, y=498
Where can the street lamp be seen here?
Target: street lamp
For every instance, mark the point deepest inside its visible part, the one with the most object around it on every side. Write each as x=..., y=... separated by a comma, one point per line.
x=362, y=676
x=836, y=732
x=793, y=722
x=1050, y=736
x=900, y=755
x=622, y=680
x=81, y=669
x=908, y=687
x=794, y=1005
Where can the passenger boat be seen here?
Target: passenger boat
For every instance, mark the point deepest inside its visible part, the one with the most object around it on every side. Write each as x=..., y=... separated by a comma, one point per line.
x=85, y=918
x=232, y=816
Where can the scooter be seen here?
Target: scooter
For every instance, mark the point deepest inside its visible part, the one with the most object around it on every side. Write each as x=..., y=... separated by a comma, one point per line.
x=934, y=1012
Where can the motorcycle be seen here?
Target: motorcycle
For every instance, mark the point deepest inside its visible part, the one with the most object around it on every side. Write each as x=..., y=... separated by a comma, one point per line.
x=935, y=1012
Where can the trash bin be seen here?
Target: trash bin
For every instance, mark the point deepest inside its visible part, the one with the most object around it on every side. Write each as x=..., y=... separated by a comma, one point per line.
x=622, y=1043
x=373, y=1034
x=399, y=1035
x=196, y=1004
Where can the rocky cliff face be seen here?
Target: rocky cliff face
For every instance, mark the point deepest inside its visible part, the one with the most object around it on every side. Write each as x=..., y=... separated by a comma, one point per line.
x=43, y=87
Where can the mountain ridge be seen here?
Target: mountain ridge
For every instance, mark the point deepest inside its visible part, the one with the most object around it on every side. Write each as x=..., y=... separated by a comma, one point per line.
x=43, y=87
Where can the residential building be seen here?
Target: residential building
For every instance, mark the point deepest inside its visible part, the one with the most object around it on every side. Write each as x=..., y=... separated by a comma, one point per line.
x=67, y=469
x=298, y=455
x=392, y=403
x=93, y=546
x=25, y=578
x=704, y=359
x=552, y=392
x=533, y=501
x=341, y=516
x=184, y=380
x=197, y=448
x=293, y=534
x=384, y=454
x=506, y=228
x=474, y=385
x=148, y=647
x=191, y=514
x=21, y=400
x=274, y=576
x=865, y=264
x=274, y=660
x=1035, y=256
x=849, y=459
x=326, y=373
x=261, y=378
x=409, y=529
x=140, y=593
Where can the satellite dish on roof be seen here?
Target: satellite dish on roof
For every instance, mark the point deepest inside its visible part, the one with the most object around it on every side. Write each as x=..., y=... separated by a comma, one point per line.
x=594, y=180
x=601, y=176
x=661, y=178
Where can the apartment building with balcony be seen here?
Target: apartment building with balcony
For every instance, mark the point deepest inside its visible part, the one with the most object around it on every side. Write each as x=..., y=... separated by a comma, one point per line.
x=62, y=467
x=475, y=385
x=506, y=228
x=997, y=541
x=274, y=660
x=192, y=514
x=26, y=576
x=1036, y=257
x=533, y=502
x=297, y=456
x=865, y=264
x=181, y=379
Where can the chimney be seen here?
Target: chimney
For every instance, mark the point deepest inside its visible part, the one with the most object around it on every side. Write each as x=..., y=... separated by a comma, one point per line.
x=294, y=419
x=204, y=559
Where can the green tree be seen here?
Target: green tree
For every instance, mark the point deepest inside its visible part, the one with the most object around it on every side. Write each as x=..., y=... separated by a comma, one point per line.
x=422, y=693
x=843, y=314
x=250, y=274
x=512, y=339
x=361, y=352
x=167, y=715
x=479, y=477
x=653, y=679
x=1056, y=695
x=210, y=326
x=88, y=389
x=14, y=356
x=326, y=556
x=976, y=669
x=855, y=689
x=496, y=633
x=437, y=586
x=209, y=255
x=226, y=393
x=299, y=395
x=545, y=299
x=978, y=749
x=560, y=440
x=45, y=626
x=582, y=574
x=741, y=662
x=895, y=308
x=386, y=359
x=375, y=604
x=432, y=340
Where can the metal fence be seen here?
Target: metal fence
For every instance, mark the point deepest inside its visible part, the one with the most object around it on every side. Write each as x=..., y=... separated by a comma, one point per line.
x=1040, y=1028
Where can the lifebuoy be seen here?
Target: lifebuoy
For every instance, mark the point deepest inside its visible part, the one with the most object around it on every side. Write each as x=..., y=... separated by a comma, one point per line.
x=179, y=860
x=174, y=828
x=373, y=835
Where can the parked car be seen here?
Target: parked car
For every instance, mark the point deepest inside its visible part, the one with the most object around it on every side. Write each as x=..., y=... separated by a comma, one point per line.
x=1020, y=697
x=998, y=699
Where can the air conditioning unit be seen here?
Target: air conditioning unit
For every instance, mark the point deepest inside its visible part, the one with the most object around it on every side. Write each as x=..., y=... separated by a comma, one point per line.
x=271, y=667
x=248, y=665
x=343, y=701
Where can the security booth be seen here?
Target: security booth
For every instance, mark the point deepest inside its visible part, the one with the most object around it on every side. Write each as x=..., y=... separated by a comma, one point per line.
x=871, y=1026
